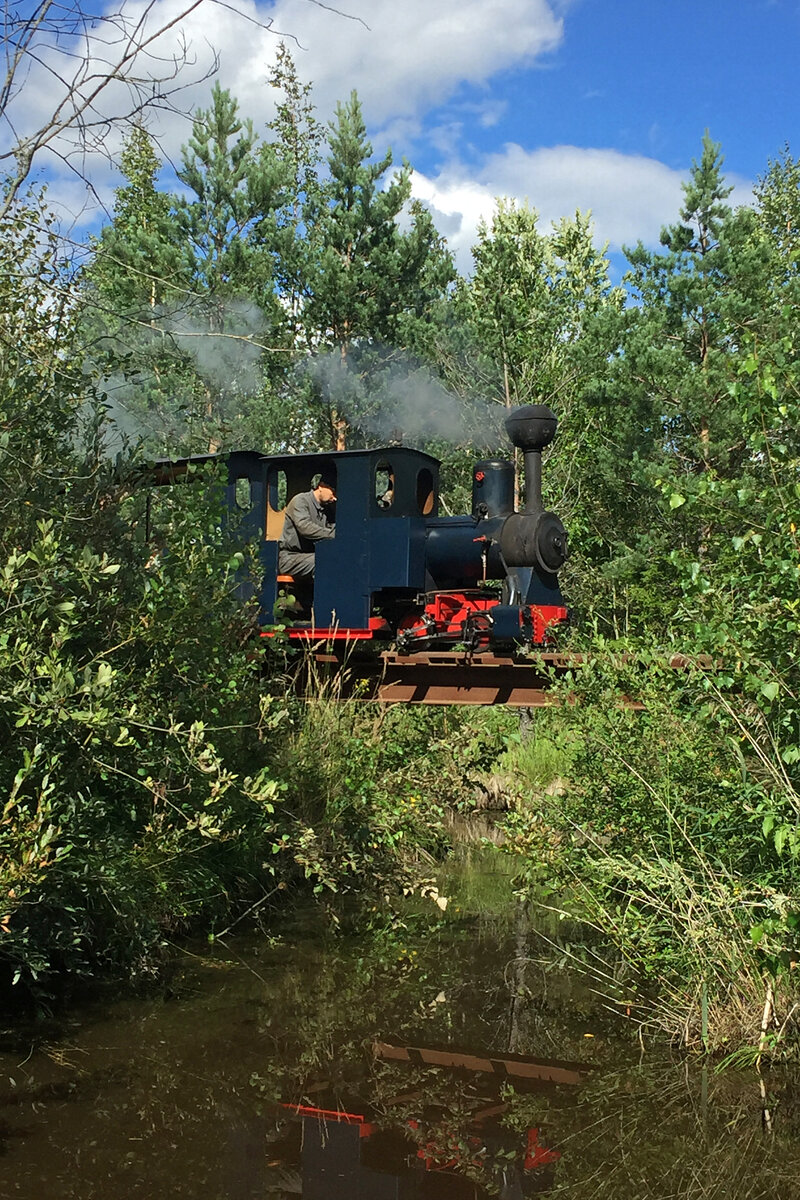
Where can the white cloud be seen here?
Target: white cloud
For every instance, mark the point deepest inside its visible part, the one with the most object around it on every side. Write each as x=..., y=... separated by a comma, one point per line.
x=630, y=196
x=415, y=55
x=457, y=205
x=403, y=59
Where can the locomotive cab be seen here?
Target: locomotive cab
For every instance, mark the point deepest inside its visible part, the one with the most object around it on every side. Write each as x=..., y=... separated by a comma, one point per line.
x=378, y=551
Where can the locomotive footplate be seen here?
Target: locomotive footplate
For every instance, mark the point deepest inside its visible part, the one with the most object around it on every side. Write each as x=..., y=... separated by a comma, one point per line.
x=441, y=677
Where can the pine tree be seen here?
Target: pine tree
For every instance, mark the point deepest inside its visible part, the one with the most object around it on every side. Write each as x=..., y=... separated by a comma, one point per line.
x=229, y=219
x=355, y=232
x=368, y=283
x=234, y=187
x=692, y=300
x=139, y=276
x=139, y=259
x=297, y=139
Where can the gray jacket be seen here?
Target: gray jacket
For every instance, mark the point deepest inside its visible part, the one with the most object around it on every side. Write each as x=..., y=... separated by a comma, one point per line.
x=304, y=523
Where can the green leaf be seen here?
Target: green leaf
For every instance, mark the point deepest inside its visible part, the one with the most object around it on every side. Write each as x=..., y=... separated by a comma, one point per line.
x=676, y=500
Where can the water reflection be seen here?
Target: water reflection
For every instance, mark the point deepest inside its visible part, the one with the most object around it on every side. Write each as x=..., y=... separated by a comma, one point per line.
x=439, y=1059
x=342, y=1162
x=416, y=1143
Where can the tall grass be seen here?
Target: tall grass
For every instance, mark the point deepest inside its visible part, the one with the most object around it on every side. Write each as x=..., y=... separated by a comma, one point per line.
x=655, y=828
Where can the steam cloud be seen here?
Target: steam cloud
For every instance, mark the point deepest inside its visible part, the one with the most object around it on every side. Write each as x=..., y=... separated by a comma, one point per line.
x=404, y=400
x=398, y=401
x=227, y=360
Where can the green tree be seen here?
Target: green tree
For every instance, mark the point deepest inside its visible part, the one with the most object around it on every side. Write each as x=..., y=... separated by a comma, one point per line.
x=230, y=217
x=233, y=186
x=297, y=139
x=368, y=283
x=139, y=261
x=522, y=318
x=103, y=710
x=662, y=398
x=777, y=194
x=139, y=277
x=41, y=363
x=285, y=417
x=693, y=298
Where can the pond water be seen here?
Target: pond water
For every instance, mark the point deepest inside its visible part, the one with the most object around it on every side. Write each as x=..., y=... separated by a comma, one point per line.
x=452, y=1056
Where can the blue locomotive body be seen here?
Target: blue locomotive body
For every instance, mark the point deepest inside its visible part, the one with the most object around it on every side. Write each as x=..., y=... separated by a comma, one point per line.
x=396, y=570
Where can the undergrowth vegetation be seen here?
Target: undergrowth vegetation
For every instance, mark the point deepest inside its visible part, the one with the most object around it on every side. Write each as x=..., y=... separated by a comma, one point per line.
x=154, y=785
x=156, y=777
x=657, y=830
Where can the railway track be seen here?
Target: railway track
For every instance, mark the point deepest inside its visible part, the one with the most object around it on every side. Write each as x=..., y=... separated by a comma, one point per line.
x=458, y=677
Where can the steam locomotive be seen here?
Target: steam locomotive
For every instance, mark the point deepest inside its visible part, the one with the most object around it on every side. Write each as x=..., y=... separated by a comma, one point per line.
x=396, y=572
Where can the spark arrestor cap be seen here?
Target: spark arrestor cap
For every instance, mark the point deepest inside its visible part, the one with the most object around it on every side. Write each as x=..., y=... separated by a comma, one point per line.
x=531, y=426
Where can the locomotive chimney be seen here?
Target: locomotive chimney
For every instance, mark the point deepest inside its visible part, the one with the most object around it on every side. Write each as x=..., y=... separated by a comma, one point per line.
x=531, y=427
x=533, y=537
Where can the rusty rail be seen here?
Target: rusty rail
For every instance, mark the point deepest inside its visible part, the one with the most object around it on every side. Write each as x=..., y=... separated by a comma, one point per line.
x=448, y=677
x=520, y=1066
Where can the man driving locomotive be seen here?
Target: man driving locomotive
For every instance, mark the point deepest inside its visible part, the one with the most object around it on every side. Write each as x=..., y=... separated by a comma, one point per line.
x=307, y=520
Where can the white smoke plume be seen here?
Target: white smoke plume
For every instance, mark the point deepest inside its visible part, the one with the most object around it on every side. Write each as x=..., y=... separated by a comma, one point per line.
x=402, y=401
x=122, y=428
x=226, y=347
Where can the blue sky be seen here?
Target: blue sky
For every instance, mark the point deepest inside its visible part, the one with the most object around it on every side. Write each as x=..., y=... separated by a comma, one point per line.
x=730, y=66
x=567, y=104
x=648, y=76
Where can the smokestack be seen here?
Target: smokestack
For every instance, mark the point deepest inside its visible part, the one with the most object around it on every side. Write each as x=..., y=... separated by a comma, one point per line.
x=533, y=538
x=531, y=427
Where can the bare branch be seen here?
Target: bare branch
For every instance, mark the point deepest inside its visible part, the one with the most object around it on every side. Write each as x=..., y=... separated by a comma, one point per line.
x=338, y=12
x=101, y=69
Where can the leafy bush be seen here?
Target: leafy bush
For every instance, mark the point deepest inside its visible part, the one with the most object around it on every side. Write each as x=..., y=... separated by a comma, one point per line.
x=126, y=693
x=656, y=837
